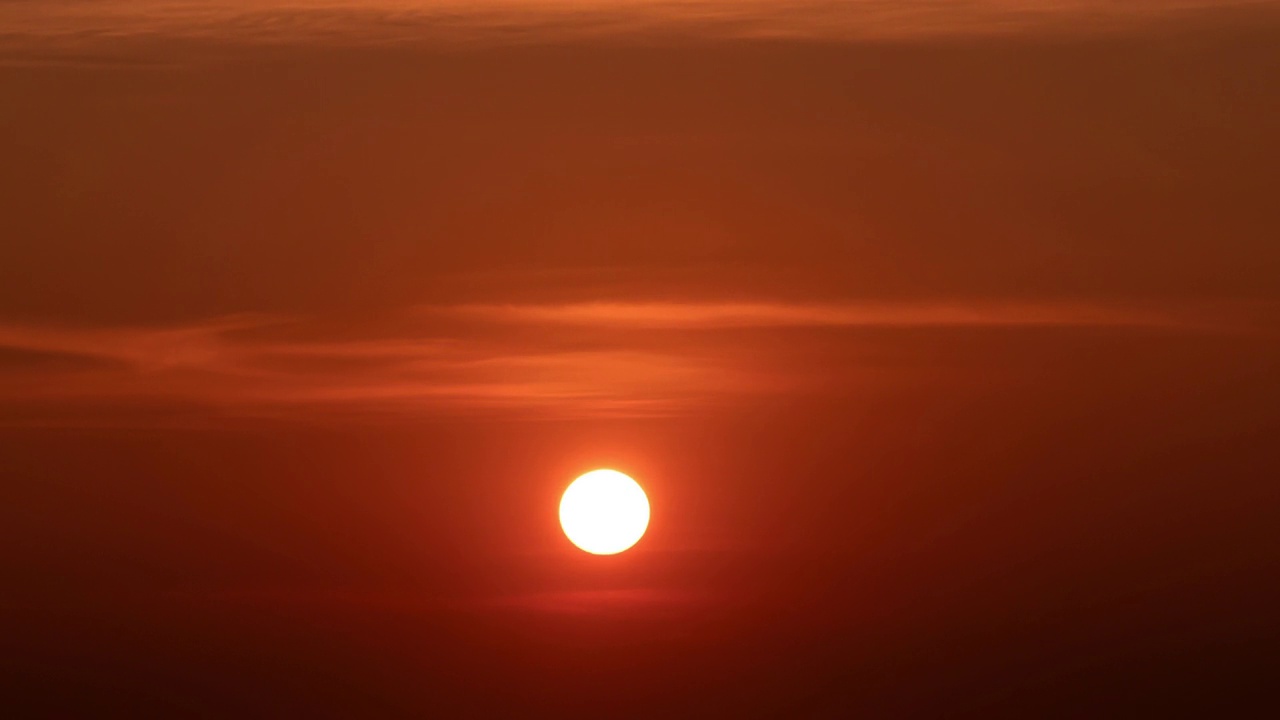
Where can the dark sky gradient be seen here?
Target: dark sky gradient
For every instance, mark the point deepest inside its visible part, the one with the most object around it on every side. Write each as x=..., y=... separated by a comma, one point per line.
x=945, y=338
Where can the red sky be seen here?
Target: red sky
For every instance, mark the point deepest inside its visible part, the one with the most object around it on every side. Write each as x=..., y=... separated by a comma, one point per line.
x=944, y=336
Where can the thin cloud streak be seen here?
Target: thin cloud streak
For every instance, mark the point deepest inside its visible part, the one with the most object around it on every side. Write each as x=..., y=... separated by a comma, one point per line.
x=678, y=315
x=623, y=601
x=79, y=25
x=197, y=344
x=571, y=364
x=231, y=365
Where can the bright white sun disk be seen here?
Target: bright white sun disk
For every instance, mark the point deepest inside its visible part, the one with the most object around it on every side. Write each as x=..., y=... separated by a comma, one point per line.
x=604, y=512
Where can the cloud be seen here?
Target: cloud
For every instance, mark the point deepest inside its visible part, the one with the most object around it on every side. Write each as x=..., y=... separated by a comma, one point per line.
x=33, y=27
x=850, y=315
x=624, y=601
x=575, y=359
x=146, y=349
x=239, y=365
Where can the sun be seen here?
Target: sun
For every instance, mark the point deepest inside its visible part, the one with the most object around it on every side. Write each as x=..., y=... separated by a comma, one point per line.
x=604, y=512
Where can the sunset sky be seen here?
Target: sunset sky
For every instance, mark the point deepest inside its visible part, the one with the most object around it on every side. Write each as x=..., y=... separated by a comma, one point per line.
x=944, y=336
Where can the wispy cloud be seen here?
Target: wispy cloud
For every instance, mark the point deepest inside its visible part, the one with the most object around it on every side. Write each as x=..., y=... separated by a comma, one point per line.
x=80, y=24
x=236, y=365
x=851, y=315
x=593, y=602
x=592, y=359
x=145, y=349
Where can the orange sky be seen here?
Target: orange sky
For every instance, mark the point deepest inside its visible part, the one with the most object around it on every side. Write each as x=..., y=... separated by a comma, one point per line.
x=939, y=320
x=181, y=182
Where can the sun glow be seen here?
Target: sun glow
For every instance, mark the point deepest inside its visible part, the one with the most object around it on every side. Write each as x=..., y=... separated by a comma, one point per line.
x=604, y=512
